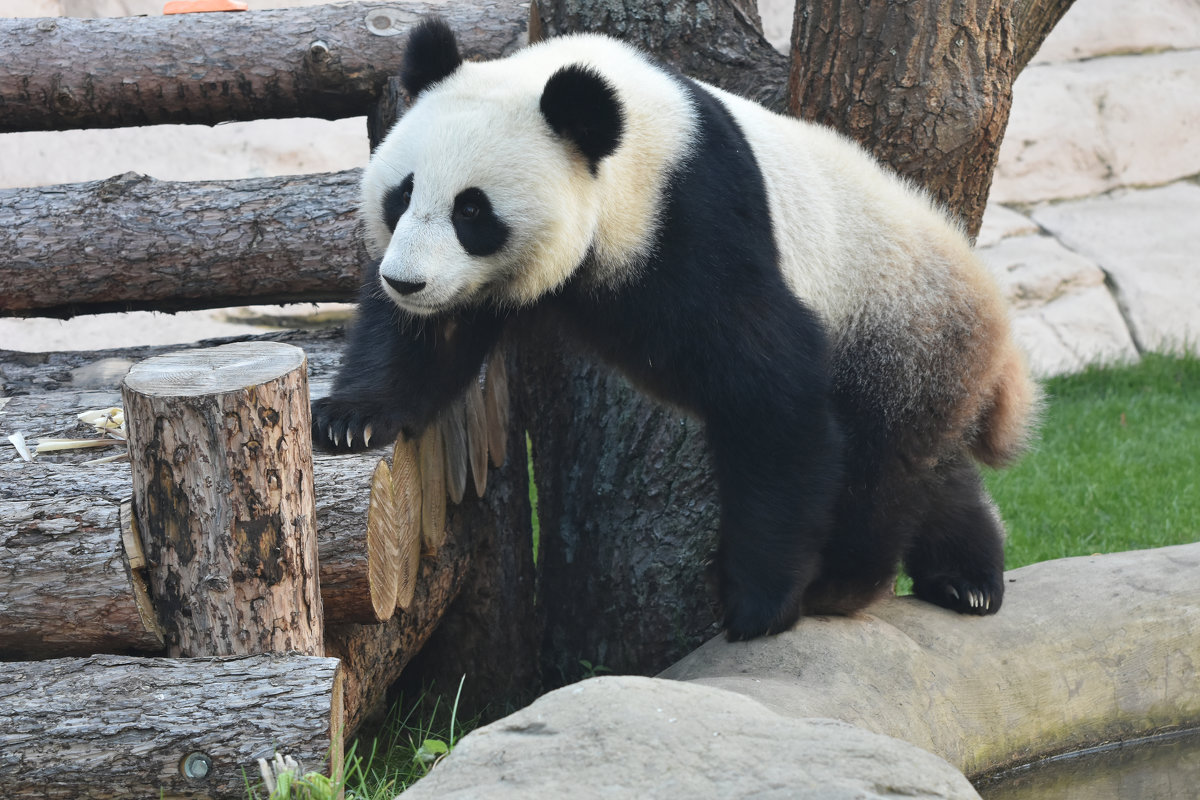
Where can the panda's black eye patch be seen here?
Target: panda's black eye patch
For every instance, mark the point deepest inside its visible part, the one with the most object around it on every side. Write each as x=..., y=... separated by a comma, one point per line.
x=396, y=202
x=479, y=230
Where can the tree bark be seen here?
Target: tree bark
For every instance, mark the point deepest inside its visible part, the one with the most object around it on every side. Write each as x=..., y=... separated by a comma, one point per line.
x=133, y=242
x=221, y=453
x=324, y=61
x=112, y=726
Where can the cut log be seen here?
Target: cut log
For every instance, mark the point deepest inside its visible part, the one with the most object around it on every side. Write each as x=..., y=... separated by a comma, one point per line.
x=66, y=584
x=431, y=457
x=114, y=726
x=133, y=242
x=221, y=454
x=323, y=61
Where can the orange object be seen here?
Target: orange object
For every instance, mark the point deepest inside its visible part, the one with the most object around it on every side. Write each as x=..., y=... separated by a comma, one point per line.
x=197, y=6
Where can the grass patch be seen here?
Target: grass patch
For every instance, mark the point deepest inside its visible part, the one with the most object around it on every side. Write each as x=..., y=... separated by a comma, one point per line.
x=413, y=740
x=1116, y=467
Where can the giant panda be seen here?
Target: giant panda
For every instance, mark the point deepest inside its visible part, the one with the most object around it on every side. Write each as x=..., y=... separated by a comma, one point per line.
x=848, y=355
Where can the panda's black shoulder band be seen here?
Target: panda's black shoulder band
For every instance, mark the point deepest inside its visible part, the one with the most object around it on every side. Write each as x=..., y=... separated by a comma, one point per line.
x=580, y=105
x=430, y=56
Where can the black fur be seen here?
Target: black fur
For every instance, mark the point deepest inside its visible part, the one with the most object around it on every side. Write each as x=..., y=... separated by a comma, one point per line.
x=479, y=230
x=431, y=55
x=396, y=202
x=579, y=105
x=399, y=371
x=711, y=326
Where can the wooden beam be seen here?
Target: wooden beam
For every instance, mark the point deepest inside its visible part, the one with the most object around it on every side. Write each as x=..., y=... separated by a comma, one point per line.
x=115, y=726
x=322, y=61
x=136, y=243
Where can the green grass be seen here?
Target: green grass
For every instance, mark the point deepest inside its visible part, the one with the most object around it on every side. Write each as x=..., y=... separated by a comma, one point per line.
x=1117, y=466
x=413, y=740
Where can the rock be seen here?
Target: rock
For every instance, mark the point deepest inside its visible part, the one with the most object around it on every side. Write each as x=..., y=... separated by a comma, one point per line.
x=1085, y=650
x=1107, y=27
x=1063, y=315
x=632, y=737
x=1148, y=242
x=1000, y=222
x=1082, y=128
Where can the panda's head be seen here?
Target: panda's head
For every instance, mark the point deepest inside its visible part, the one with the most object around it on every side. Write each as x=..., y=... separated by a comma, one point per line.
x=487, y=188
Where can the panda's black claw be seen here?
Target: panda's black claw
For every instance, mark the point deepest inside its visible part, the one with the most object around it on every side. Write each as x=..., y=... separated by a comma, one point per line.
x=962, y=594
x=342, y=427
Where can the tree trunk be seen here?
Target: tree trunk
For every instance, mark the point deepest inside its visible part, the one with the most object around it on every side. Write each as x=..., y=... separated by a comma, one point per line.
x=926, y=88
x=133, y=242
x=221, y=453
x=323, y=61
x=112, y=726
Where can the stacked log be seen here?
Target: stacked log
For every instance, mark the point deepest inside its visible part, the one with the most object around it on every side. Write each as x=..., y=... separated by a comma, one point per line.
x=117, y=726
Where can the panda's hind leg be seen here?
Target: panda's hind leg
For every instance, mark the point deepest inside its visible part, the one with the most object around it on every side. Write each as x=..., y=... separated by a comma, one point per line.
x=956, y=553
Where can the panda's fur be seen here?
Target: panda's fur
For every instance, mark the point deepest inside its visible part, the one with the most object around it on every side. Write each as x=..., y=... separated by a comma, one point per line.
x=829, y=325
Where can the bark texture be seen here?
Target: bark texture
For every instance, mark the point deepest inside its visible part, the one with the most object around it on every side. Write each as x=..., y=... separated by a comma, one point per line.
x=628, y=512
x=927, y=87
x=114, y=727
x=221, y=456
x=66, y=582
x=720, y=41
x=134, y=242
x=324, y=61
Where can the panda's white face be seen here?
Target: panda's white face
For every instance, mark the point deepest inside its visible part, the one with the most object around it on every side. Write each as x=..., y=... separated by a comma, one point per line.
x=471, y=196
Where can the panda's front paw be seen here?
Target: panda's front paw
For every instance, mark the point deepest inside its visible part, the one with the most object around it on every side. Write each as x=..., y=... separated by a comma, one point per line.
x=964, y=595
x=343, y=426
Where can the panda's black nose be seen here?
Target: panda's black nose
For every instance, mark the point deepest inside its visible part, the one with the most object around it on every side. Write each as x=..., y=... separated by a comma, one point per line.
x=405, y=287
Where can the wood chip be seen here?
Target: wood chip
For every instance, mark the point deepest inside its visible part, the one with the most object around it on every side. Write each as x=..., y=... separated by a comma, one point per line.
x=477, y=443
x=454, y=435
x=433, y=489
x=495, y=404
x=406, y=489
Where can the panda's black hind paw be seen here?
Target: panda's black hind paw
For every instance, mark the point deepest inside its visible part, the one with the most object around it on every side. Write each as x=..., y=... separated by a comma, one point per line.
x=342, y=426
x=961, y=594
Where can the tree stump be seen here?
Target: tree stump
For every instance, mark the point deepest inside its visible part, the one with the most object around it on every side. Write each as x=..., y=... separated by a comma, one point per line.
x=221, y=453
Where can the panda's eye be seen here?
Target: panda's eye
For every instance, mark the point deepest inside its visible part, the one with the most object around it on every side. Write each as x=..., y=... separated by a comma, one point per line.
x=396, y=202
x=468, y=210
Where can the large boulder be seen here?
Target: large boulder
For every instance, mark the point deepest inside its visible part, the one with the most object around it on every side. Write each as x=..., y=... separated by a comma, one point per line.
x=650, y=738
x=1085, y=650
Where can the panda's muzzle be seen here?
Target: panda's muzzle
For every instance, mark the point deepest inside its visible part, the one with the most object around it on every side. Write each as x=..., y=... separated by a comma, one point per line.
x=405, y=287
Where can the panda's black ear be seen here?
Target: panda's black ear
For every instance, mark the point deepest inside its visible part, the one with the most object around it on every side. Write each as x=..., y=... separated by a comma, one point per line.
x=582, y=106
x=430, y=56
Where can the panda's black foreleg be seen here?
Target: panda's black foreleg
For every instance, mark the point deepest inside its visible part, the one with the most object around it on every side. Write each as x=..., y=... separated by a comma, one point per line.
x=778, y=475
x=399, y=371
x=956, y=557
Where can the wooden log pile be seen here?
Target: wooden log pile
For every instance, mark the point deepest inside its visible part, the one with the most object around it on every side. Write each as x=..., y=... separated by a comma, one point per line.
x=76, y=560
